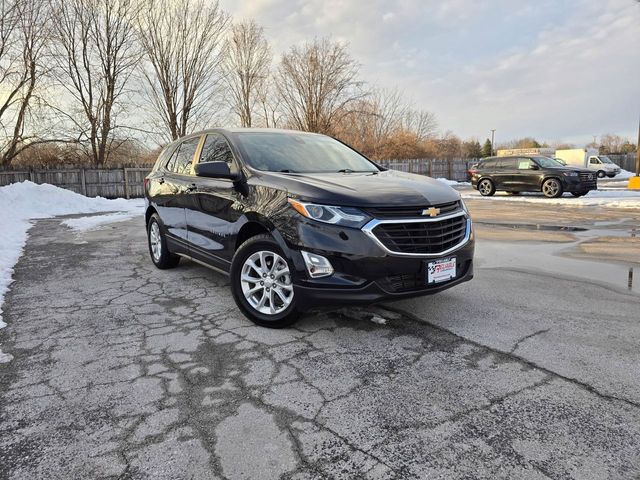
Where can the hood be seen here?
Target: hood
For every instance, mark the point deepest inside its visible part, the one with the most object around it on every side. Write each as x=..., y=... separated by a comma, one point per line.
x=569, y=168
x=387, y=188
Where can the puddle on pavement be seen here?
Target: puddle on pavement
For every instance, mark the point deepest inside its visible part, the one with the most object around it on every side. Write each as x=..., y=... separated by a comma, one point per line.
x=548, y=257
x=533, y=226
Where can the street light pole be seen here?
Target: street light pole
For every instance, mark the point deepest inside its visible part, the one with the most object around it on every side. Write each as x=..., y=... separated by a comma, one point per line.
x=493, y=131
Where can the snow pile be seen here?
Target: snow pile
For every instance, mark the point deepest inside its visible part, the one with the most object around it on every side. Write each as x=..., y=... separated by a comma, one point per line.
x=22, y=202
x=624, y=175
x=604, y=198
x=452, y=183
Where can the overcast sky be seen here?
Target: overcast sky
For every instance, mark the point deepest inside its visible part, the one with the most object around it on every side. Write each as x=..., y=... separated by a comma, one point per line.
x=552, y=69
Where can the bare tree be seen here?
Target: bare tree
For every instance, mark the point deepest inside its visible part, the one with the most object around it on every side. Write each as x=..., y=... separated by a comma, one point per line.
x=270, y=113
x=246, y=65
x=182, y=41
x=317, y=85
x=95, y=53
x=420, y=122
x=24, y=29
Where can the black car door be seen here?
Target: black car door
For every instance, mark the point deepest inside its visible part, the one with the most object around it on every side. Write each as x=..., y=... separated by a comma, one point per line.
x=501, y=174
x=177, y=184
x=213, y=225
x=527, y=179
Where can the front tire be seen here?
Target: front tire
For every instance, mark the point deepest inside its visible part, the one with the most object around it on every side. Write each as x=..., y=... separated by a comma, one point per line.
x=160, y=254
x=601, y=174
x=578, y=194
x=552, y=188
x=262, y=283
x=486, y=187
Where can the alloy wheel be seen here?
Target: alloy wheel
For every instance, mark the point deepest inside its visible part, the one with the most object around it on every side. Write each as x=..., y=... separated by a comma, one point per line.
x=266, y=282
x=551, y=188
x=155, y=241
x=485, y=187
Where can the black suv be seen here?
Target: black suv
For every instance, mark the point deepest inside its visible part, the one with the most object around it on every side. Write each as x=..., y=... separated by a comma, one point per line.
x=301, y=221
x=531, y=174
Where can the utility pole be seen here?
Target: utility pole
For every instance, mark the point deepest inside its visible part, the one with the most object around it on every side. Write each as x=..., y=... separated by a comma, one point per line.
x=493, y=131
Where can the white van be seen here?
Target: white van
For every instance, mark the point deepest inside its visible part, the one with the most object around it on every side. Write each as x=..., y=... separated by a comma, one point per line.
x=589, y=158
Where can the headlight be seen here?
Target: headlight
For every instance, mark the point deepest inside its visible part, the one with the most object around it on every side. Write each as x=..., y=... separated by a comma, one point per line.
x=570, y=174
x=464, y=207
x=345, y=216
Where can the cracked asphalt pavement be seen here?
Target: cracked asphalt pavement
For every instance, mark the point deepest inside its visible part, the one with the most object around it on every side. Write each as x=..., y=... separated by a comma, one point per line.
x=124, y=371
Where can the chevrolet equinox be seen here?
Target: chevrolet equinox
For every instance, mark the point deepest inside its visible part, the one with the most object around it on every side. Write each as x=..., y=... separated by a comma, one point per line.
x=301, y=221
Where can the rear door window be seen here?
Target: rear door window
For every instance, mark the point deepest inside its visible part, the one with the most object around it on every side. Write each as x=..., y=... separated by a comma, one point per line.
x=181, y=160
x=509, y=163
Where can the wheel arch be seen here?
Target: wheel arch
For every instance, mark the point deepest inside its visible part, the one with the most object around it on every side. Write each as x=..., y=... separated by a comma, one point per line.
x=257, y=224
x=550, y=177
x=147, y=214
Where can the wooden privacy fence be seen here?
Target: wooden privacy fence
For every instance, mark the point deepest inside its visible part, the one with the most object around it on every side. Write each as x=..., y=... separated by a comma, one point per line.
x=125, y=182
x=625, y=161
x=128, y=182
x=452, y=168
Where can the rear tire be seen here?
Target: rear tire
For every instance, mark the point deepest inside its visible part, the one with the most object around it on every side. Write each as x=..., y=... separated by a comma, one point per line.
x=262, y=283
x=552, y=188
x=578, y=194
x=601, y=174
x=486, y=187
x=160, y=254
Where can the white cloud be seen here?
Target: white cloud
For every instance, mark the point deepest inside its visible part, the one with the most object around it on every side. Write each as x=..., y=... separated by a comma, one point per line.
x=553, y=69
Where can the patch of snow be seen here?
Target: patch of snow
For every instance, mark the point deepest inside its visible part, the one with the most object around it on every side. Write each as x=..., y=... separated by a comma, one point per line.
x=20, y=203
x=452, y=183
x=379, y=320
x=624, y=175
x=604, y=198
x=83, y=224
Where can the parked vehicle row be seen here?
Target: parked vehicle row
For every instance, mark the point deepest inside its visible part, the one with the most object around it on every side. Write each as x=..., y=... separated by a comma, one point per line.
x=580, y=157
x=301, y=221
x=515, y=174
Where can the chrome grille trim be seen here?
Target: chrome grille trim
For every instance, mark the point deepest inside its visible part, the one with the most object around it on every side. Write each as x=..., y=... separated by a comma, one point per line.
x=368, y=230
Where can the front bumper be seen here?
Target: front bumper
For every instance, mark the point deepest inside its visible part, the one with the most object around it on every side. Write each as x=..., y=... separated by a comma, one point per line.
x=575, y=184
x=365, y=272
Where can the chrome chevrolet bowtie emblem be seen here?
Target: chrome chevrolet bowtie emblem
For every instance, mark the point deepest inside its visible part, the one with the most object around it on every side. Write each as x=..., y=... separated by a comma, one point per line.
x=432, y=212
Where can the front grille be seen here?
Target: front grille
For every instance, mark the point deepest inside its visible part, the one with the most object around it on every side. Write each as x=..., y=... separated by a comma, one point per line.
x=406, y=283
x=429, y=237
x=588, y=177
x=411, y=212
x=409, y=282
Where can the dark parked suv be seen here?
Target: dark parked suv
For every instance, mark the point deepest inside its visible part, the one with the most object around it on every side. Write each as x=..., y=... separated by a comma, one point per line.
x=301, y=221
x=531, y=174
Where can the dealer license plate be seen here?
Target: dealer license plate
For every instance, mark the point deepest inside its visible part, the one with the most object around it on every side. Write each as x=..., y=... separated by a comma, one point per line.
x=441, y=270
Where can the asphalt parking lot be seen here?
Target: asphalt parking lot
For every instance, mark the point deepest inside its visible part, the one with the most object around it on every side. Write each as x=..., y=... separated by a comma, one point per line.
x=530, y=371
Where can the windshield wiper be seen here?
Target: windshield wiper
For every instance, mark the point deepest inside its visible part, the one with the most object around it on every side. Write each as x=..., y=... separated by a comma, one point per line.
x=286, y=170
x=346, y=170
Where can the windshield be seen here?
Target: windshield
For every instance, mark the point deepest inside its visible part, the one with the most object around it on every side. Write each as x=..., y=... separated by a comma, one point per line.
x=604, y=159
x=547, y=162
x=300, y=153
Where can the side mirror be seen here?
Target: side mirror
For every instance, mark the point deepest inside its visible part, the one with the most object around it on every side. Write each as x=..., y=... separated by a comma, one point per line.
x=215, y=170
x=533, y=166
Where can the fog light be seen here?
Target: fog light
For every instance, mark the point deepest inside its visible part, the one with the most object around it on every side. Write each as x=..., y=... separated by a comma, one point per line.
x=317, y=265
